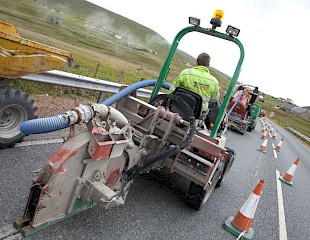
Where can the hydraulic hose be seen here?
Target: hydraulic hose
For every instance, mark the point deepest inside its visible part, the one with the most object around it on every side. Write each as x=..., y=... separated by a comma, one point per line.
x=234, y=105
x=126, y=91
x=54, y=123
x=44, y=125
x=169, y=150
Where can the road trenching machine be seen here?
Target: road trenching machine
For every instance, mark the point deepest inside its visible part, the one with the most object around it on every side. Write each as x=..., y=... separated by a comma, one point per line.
x=243, y=112
x=98, y=166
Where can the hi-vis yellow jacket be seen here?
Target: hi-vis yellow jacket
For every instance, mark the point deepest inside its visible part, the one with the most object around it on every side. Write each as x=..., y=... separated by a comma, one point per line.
x=201, y=81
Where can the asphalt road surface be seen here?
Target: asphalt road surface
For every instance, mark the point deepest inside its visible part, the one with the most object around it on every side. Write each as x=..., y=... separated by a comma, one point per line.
x=155, y=206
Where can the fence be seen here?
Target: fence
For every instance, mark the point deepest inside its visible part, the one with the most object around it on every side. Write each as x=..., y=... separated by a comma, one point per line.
x=78, y=81
x=298, y=133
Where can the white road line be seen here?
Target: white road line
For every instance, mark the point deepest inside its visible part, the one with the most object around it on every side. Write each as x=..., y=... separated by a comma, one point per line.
x=274, y=152
x=39, y=142
x=282, y=223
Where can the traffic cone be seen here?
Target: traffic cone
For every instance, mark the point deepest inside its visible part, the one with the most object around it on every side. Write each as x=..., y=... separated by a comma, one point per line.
x=264, y=136
x=271, y=129
x=262, y=148
x=275, y=135
x=262, y=122
x=288, y=176
x=240, y=225
x=278, y=147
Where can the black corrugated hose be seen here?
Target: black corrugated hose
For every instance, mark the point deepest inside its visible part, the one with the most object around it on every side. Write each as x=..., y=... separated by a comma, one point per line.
x=169, y=150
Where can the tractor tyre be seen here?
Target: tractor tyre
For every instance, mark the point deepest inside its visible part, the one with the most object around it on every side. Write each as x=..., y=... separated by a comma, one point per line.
x=15, y=108
x=230, y=160
x=197, y=196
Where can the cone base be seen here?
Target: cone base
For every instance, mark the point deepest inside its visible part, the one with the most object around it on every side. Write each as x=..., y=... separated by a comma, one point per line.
x=236, y=232
x=261, y=150
x=286, y=182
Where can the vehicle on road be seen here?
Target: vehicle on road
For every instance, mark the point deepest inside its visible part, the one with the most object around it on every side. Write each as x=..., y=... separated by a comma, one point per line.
x=242, y=110
x=254, y=116
x=97, y=166
x=20, y=57
x=262, y=113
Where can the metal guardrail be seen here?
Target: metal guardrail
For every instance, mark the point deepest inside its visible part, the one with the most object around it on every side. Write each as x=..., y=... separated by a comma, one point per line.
x=298, y=133
x=78, y=81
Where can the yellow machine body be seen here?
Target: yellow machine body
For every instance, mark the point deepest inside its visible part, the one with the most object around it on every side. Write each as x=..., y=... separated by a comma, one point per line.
x=20, y=56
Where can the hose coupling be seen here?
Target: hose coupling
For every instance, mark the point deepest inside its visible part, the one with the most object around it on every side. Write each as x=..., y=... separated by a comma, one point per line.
x=84, y=114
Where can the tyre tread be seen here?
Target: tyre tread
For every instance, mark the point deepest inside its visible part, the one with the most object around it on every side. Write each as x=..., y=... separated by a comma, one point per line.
x=12, y=95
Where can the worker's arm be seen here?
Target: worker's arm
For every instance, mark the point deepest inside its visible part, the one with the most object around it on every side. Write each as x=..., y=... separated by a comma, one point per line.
x=216, y=96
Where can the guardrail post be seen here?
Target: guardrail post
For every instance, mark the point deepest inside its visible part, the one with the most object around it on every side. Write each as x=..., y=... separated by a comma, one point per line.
x=100, y=97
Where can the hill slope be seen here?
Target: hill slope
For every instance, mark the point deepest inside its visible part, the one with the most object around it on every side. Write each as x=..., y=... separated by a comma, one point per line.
x=94, y=35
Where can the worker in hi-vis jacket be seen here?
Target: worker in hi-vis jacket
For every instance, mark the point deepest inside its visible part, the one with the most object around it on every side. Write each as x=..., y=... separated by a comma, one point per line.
x=201, y=81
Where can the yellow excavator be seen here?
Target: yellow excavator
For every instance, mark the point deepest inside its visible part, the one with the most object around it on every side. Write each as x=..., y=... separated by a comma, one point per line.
x=20, y=57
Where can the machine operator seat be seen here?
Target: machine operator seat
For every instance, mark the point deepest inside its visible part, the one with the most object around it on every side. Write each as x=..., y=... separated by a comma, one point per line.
x=193, y=99
x=195, y=102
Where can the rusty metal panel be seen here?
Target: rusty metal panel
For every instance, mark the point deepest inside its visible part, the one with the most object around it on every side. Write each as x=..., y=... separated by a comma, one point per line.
x=191, y=173
x=100, y=146
x=104, y=144
x=206, y=146
x=57, y=194
x=120, y=142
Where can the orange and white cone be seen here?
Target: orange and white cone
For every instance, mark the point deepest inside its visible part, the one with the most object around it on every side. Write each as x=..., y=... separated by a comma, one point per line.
x=278, y=147
x=275, y=135
x=240, y=225
x=262, y=147
x=288, y=176
x=264, y=136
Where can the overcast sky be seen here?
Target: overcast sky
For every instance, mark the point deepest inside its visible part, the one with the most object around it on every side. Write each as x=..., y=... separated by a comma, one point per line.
x=275, y=35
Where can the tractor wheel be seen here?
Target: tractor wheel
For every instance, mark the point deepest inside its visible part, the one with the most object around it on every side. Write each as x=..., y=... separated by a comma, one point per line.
x=197, y=196
x=230, y=160
x=15, y=108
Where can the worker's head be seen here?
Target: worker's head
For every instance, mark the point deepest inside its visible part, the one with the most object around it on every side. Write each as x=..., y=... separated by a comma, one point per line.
x=203, y=60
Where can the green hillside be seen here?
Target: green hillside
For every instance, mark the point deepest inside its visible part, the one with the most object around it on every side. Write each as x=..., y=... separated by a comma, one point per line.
x=283, y=118
x=89, y=31
x=92, y=34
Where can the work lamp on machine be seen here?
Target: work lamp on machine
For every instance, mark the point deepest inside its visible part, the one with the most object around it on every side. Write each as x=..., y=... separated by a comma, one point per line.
x=194, y=21
x=232, y=31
